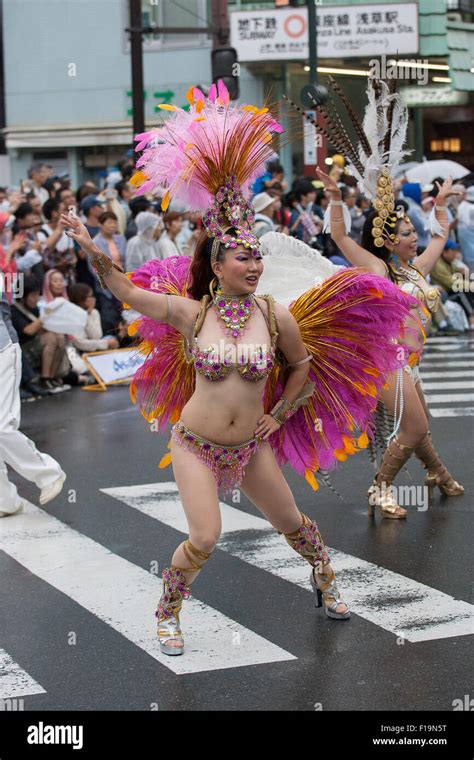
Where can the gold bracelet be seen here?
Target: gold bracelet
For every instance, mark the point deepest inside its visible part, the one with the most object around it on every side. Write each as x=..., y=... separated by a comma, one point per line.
x=103, y=266
x=283, y=410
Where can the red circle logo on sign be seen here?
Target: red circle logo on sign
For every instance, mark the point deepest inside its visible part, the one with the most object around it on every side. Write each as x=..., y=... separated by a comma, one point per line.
x=295, y=25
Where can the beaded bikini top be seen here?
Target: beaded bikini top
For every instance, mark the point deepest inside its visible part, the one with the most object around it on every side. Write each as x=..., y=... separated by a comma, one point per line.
x=208, y=363
x=410, y=280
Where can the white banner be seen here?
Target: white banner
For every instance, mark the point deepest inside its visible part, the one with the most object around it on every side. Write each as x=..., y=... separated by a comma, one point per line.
x=119, y=364
x=343, y=31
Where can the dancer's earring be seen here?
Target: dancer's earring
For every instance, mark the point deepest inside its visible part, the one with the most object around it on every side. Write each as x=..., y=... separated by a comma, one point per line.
x=212, y=285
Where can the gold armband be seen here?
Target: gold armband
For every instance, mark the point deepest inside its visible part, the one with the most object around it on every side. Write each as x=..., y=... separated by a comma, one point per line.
x=283, y=410
x=103, y=266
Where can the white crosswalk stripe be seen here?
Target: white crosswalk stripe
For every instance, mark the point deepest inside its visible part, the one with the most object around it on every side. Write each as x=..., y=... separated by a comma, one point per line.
x=398, y=604
x=125, y=597
x=447, y=367
x=73, y=563
x=14, y=681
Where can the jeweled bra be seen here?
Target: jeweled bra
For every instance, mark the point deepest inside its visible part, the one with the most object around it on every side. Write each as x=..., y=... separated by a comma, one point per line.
x=257, y=367
x=410, y=280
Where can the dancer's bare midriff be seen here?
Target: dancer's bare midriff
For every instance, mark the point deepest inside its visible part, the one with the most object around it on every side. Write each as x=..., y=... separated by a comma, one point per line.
x=224, y=411
x=227, y=411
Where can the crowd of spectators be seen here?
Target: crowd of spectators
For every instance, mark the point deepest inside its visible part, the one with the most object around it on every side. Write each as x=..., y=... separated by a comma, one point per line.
x=133, y=230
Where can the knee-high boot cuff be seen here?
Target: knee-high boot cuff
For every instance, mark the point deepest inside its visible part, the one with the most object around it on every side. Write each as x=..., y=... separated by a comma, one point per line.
x=395, y=456
x=427, y=454
x=308, y=542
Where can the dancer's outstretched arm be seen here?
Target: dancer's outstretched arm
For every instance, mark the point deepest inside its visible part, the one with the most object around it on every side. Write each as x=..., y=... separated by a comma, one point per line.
x=154, y=305
x=426, y=261
x=354, y=252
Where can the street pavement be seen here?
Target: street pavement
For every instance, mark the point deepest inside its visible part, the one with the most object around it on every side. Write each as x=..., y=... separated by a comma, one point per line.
x=80, y=583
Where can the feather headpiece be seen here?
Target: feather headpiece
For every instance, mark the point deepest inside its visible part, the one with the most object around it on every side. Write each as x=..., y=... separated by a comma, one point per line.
x=379, y=138
x=207, y=157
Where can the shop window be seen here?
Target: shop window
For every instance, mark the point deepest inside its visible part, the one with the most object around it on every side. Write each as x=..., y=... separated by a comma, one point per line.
x=446, y=145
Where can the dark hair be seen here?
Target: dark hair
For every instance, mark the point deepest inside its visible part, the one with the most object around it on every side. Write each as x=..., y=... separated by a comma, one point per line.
x=138, y=204
x=49, y=206
x=275, y=168
x=79, y=292
x=303, y=187
x=83, y=191
x=201, y=270
x=171, y=216
x=107, y=215
x=30, y=285
x=121, y=186
x=23, y=210
x=276, y=186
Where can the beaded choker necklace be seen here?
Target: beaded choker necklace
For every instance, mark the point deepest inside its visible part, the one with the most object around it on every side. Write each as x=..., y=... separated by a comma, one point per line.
x=234, y=311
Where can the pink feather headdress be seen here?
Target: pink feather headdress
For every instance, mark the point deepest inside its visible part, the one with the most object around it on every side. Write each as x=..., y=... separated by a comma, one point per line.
x=207, y=157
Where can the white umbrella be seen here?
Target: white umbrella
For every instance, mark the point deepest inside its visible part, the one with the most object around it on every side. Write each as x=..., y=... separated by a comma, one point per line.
x=428, y=170
x=403, y=168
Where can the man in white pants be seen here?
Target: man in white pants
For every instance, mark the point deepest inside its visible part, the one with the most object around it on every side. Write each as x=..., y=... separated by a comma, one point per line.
x=16, y=449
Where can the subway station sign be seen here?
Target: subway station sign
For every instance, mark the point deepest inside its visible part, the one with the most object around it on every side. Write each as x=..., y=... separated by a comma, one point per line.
x=343, y=31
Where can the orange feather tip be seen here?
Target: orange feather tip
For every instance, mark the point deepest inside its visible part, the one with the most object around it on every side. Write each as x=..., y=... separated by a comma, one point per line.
x=309, y=477
x=138, y=178
x=375, y=292
x=340, y=455
x=349, y=447
x=372, y=371
x=165, y=201
x=165, y=461
x=174, y=416
x=133, y=392
x=363, y=441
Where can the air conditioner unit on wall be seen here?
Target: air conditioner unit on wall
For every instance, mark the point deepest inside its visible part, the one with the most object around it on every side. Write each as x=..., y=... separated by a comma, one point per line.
x=454, y=17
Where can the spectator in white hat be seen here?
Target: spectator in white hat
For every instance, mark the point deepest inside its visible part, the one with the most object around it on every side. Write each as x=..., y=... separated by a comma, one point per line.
x=265, y=207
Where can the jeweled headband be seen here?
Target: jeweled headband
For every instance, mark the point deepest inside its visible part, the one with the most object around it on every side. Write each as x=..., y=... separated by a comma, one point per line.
x=230, y=210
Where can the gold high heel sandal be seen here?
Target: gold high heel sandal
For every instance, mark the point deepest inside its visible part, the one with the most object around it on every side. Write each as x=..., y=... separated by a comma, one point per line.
x=327, y=595
x=432, y=480
x=437, y=474
x=379, y=494
x=308, y=542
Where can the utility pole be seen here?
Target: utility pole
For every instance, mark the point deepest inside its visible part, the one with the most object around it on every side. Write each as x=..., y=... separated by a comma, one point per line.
x=312, y=43
x=136, y=42
x=219, y=31
x=220, y=22
x=3, y=149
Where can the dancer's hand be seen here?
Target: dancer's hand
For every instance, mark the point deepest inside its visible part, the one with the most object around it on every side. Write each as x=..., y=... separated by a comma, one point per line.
x=76, y=230
x=329, y=184
x=446, y=190
x=266, y=425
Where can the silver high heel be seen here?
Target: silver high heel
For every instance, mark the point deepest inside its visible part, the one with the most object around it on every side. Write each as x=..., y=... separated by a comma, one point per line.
x=175, y=589
x=328, y=596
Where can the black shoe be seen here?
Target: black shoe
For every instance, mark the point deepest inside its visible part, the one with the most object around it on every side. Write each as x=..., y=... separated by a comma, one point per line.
x=46, y=384
x=60, y=384
x=26, y=395
x=447, y=330
x=36, y=389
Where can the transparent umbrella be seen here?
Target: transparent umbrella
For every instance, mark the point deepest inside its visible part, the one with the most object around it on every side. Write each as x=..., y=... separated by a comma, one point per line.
x=427, y=171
